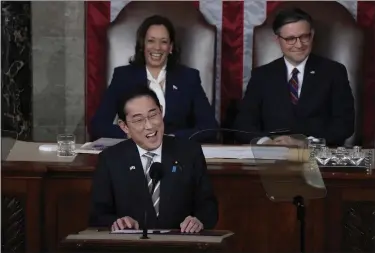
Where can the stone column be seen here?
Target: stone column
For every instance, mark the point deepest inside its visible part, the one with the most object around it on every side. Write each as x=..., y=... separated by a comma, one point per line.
x=58, y=47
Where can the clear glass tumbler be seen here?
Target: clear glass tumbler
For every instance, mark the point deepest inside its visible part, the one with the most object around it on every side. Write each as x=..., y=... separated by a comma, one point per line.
x=66, y=144
x=315, y=145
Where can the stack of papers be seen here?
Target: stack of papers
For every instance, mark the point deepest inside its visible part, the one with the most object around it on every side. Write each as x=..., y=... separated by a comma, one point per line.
x=135, y=231
x=97, y=146
x=245, y=152
x=228, y=152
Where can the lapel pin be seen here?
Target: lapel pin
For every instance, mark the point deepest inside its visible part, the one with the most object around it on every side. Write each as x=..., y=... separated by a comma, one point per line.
x=312, y=72
x=175, y=87
x=132, y=168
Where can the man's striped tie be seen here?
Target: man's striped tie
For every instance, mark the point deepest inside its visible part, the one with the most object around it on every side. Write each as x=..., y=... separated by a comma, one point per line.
x=155, y=195
x=293, y=83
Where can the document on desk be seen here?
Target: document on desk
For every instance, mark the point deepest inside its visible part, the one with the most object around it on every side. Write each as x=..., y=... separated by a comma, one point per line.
x=97, y=146
x=137, y=231
x=245, y=152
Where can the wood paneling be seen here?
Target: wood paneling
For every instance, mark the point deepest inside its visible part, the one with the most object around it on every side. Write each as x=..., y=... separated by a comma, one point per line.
x=24, y=196
x=57, y=204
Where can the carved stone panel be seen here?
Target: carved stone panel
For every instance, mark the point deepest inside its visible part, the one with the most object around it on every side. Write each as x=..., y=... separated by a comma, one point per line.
x=16, y=76
x=359, y=227
x=12, y=225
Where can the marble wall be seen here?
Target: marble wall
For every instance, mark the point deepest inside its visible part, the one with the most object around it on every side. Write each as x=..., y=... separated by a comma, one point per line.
x=16, y=76
x=58, y=49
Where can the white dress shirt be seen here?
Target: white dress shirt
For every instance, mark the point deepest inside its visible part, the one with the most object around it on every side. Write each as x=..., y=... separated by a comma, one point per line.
x=158, y=85
x=157, y=157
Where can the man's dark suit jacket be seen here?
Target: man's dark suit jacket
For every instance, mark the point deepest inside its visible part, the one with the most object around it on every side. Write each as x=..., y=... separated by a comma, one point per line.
x=187, y=107
x=118, y=191
x=325, y=108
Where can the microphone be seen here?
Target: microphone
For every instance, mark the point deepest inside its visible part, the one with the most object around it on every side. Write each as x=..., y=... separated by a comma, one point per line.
x=270, y=133
x=156, y=173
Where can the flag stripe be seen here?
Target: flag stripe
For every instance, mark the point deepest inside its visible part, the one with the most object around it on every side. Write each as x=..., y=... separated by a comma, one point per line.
x=366, y=14
x=196, y=4
x=254, y=14
x=272, y=5
x=97, y=20
x=366, y=19
x=231, y=53
x=116, y=7
x=351, y=6
x=213, y=12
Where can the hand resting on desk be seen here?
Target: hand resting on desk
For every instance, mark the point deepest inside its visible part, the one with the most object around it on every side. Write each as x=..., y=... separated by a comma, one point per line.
x=191, y=225
x=284, y=140
x=125, y=222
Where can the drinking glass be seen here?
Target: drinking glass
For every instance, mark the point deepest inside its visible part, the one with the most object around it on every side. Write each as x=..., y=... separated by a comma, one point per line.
x=341, y=156
x=324, y=155
x=315, y=145
x=66, y=145
x=357, y=156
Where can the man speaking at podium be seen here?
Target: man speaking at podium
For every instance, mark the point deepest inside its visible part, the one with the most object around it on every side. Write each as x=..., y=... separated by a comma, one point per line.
x=121, y=194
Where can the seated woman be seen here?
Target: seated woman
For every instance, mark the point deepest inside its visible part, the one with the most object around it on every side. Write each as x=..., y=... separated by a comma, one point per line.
x=186, y=108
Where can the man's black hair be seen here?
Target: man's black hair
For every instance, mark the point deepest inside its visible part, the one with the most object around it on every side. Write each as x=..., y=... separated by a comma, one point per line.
x=288, y=16
x=140, y=90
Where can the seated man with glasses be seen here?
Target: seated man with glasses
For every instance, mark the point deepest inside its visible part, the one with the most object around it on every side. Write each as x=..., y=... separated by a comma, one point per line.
x=302, y=92
x=122, y=189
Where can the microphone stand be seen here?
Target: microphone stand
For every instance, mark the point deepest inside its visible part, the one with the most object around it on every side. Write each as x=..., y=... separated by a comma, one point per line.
x=298, y=201
x=145, y=230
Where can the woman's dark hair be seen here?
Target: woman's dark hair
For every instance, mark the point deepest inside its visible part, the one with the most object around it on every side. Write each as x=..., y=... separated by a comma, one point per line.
x=139, y=58
x=288, y=16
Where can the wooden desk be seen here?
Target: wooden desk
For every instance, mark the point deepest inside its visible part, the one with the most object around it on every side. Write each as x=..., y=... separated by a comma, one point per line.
x=91, y=240
x=45, y=202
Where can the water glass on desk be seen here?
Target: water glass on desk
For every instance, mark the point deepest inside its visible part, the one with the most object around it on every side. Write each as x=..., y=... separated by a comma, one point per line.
x=316, y=144
x=66, y=144
x=357, y=156
x=341, y=156
x=324, y=155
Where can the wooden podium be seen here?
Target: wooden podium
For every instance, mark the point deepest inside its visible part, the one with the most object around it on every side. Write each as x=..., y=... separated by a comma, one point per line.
x=96, y=240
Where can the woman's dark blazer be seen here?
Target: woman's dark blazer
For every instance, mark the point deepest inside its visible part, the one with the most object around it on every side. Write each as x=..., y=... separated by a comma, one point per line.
x=187, y=107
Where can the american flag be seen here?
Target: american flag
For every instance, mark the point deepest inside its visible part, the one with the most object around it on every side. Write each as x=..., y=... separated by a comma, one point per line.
x=235, y=21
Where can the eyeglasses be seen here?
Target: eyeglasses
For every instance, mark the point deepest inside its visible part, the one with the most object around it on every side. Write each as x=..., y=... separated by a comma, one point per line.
x=304, y=38
x=140, y=121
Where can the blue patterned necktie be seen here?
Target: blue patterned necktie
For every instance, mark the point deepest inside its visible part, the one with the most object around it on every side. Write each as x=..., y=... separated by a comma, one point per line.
x=293, y=85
